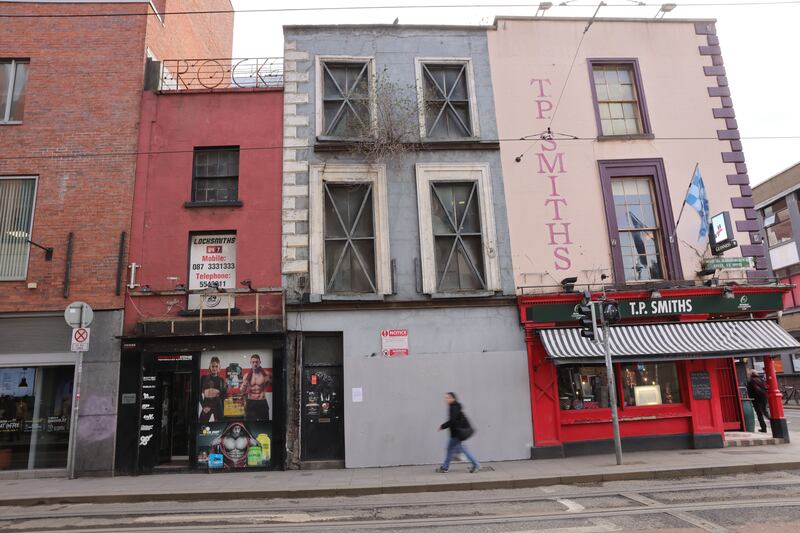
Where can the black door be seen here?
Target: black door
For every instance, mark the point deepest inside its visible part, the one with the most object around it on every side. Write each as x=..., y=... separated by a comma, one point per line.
x=176, y=420
x=322, y=403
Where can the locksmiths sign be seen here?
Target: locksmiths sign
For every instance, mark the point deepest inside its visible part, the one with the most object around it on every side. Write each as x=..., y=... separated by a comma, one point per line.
x=212, y=266
x=650, y=307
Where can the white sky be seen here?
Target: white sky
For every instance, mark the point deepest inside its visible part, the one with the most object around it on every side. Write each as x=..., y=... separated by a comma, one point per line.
x=759, y=43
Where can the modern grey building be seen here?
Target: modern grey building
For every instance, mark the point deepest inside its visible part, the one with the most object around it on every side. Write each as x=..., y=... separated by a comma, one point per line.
x=396, y=255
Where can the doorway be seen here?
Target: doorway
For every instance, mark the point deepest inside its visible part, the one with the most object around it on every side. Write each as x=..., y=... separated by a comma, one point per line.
x=322, y=420
x=729, y=398
x=176, y=430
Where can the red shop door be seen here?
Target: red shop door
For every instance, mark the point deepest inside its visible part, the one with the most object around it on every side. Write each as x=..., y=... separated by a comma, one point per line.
x=729, y=395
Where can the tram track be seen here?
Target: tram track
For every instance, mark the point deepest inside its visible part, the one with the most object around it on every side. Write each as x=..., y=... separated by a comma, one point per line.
x=420, y=515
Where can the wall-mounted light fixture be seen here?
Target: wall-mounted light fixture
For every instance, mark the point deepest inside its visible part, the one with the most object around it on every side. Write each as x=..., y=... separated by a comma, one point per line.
x=48, y=252
x=568, y=284
x=664, y=9
x=655, y=293
x=543, y=6
x=727, y=292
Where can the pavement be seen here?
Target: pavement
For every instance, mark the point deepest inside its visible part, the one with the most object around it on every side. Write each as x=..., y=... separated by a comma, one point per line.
x=402, y=479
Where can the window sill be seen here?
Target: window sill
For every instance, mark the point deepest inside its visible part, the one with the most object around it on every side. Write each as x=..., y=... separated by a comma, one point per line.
x=638, y=137
x=367, y=297
x=10, y=123
x=234, y=203
x=465, y=294
x=343, y=145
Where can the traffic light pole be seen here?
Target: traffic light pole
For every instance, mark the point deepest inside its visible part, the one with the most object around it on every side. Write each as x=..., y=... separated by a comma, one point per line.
x=612, y=392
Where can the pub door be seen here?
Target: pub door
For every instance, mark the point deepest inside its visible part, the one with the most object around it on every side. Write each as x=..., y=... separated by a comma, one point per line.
x=176, y=418
x=729, y=395
x=322, y=419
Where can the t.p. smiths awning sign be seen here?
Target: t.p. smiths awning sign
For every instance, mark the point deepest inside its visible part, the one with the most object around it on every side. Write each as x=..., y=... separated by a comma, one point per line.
x=651, y=307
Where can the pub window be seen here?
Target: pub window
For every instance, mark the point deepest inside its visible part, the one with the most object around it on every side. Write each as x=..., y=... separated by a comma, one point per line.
x=216, y=175
x=345, y=98
x=777, y=224
x=16, y=221
x=445, y=90
x=639, y=220
x=582, y=387
x=619, y=105
x=650, y=384
x=13, y=80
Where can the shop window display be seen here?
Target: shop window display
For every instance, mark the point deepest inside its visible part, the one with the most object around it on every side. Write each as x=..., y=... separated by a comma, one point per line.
x=583, y=387
x=650, y=384
x=235, y=429
x=35, y=412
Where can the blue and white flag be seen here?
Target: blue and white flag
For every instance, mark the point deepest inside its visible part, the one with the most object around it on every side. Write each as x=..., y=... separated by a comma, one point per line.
x=697, y=199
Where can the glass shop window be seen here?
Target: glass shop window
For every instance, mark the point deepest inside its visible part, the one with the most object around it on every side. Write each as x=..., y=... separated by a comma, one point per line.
x=582, y=387
x=35, y=412
x=650, y=384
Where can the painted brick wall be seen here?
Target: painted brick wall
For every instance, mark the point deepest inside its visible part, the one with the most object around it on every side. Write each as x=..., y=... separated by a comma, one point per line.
x=83, y=96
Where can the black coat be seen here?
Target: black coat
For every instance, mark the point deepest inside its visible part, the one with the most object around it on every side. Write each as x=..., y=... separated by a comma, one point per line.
x=457, y=422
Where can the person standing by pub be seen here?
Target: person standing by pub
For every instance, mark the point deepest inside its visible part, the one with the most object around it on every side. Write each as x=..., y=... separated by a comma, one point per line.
x=460, y=430
x=757, y=390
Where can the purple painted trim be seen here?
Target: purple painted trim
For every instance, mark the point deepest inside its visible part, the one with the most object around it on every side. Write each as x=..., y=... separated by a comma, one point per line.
x=732, y=124
x=736, y=146
x=728, y=135
x=747, y=225
x=755, y=238
x=741, y=168
x=732, y=157
x=755, y=276
x=726, y=101
x=752, y=250
x=761, y=263
x=750, y=214
x=710, y=51
x=742, y=203
x=713, y=40
x=714, y=71
x=724, y=112
x=738, y=179
x=633, y=62
x=717, y=61
x=746, y=191
x=719, y=91
x=654, y=168
x=722, y=81
x=705, y=28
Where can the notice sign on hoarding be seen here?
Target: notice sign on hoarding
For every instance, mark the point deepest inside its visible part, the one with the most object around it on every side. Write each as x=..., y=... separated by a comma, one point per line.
x=212, y=265
x=394, y=342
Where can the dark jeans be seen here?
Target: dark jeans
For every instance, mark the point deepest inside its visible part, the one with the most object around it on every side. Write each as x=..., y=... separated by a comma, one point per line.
x=760, y=407
x=455, y=446
x=256, y=410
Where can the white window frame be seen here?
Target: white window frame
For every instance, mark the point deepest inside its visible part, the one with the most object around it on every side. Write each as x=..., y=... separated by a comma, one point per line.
x=320, y=112
x=473, y=102
x=348, y=173
x=30, y=226
x=6, y=111
x=430, y=172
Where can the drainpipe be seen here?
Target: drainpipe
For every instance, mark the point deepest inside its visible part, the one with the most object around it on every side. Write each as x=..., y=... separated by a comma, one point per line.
x=777, y=419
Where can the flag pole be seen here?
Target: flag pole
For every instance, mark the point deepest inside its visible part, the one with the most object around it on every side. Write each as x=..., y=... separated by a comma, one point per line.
x=683, y=205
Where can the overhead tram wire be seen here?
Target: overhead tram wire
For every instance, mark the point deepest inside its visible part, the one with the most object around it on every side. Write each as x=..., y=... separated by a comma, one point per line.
x=743, y=3
x=87, y=155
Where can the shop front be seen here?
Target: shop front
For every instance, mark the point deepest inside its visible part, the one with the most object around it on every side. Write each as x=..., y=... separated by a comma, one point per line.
x=679, y=358
x=193, y=404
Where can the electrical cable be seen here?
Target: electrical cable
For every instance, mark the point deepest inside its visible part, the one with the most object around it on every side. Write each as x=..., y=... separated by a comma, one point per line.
x=381, y=8
x=86, y=155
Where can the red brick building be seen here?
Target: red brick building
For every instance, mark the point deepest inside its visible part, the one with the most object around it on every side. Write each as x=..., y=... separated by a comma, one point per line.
x=68, y=137
x=205, y=245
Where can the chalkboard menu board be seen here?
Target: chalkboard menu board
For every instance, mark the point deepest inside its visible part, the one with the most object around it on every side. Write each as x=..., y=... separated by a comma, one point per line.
x=701, y=386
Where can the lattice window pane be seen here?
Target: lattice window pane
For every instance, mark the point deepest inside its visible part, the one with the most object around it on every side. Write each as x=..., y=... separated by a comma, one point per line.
x=349, y=234
x=446, y=100
x=216, y=175
x=345, y=99
x=640, y=238
x=617, y=99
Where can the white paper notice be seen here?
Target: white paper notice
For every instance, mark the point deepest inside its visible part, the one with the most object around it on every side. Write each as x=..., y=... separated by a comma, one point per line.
x=358, y=394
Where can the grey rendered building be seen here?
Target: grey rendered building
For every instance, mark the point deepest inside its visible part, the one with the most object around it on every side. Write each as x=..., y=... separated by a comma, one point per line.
x=396, y=256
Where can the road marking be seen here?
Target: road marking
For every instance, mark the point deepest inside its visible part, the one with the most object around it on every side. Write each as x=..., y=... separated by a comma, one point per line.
x=644, y=500
x=572, y=507
x=598, y=525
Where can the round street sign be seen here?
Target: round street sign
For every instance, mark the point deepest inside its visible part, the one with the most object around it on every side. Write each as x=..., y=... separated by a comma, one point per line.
x=78, y=315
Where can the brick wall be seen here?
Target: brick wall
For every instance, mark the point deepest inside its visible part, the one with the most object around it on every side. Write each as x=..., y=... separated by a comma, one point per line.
x=83, y=97
x=209, y=35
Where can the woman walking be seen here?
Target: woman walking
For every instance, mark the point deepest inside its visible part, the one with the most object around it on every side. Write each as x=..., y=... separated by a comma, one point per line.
x=460, y=430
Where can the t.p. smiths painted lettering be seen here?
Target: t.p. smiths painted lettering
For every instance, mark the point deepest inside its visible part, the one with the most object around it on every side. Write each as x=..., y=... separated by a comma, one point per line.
x=552, y=164
x=660, y=307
